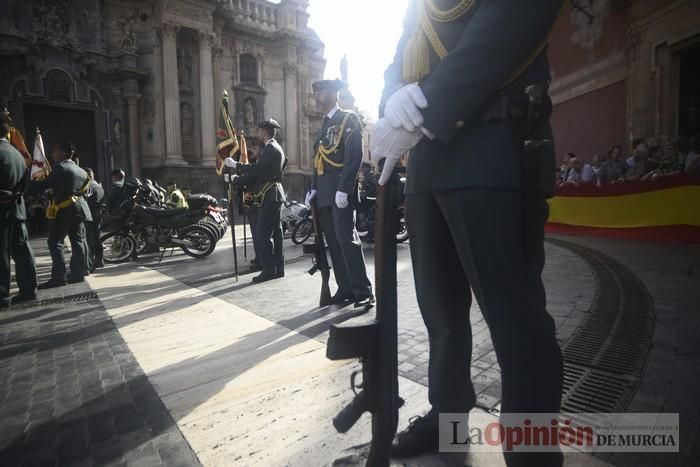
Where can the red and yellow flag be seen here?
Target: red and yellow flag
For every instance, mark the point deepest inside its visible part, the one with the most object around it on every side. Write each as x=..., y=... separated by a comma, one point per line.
x=226, y=141
x=17, y=140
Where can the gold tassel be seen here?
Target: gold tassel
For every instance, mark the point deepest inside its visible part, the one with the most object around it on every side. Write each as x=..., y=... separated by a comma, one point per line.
x=416, y=57
x=319, y=165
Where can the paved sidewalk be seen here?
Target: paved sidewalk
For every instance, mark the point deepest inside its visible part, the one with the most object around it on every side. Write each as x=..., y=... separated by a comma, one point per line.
x=72, y=393
x=178, y=364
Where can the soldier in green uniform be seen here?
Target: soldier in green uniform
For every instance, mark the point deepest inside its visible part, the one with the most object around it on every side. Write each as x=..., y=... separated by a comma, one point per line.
x=461, y=96
x=67, y=213
x=266, y=177
x=13, y=232
x=338, y=154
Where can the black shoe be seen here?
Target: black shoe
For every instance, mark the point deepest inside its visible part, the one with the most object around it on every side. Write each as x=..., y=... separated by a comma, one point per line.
x=365, y=302
x=51, y=283
x=254, y=267
x=263, y=278
x=421, y=437
x=99, y=264
x=21, y=298
x=339, y=299
x=279, y=274
x=75, y=280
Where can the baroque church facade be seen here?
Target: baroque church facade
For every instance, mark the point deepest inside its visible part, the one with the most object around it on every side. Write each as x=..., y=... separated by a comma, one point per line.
x=138, y=84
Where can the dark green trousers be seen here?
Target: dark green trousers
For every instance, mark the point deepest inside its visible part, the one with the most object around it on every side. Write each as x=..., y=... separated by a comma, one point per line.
x=14, y=243
x=72, y=226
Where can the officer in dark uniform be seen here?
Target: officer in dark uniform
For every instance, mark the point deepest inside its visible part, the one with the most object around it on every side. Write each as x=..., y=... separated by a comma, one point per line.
x=67, y=213
x=94, y=196
x=13, y=232
x=455, y=96
x=268, y=195
x=255, y=148
x=338, y=154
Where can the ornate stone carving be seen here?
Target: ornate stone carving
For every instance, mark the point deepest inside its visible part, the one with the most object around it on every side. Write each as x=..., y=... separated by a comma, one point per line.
x=128, y=39
x=290, y=69
x=52, y=24
x=217, y=53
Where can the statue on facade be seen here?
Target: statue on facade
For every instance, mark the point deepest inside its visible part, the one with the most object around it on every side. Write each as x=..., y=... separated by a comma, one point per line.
x=249, y=113
x=184, y=69
x=128, y=40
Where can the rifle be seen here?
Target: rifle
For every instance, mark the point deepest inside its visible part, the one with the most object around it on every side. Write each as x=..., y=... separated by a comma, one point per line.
x=374, y=342
x=320, y=259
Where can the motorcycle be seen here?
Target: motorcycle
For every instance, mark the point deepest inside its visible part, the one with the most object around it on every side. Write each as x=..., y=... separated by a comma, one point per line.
x=366, y=210
x=295, y=217
x=141, y=228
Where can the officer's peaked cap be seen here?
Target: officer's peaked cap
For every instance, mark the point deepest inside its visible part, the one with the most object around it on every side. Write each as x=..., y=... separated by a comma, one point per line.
x=270, y=123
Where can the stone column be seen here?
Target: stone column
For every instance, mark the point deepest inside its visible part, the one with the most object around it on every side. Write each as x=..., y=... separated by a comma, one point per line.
x=291, y=113
x=132, y=102
x=206, y=95
x=171, y=95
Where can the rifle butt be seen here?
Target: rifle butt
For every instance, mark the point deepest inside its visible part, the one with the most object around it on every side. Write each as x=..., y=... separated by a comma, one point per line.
x=351, y=413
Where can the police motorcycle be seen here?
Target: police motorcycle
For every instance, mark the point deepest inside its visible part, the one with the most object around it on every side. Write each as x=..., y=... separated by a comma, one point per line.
x=366, y=211
x=145, y=227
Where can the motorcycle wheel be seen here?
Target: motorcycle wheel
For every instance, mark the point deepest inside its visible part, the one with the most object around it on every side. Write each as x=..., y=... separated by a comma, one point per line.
x=202, y=241
x=212, y=228
x=302, y=231
x=141, y=242
x=117, y=247
x=402, y=234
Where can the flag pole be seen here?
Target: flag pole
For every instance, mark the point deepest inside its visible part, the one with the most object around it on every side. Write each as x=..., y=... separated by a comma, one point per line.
x=232, y=219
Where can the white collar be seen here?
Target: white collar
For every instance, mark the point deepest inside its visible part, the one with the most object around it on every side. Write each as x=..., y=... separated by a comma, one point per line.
x=269, y=141
x=332, y=112
x=4, y=139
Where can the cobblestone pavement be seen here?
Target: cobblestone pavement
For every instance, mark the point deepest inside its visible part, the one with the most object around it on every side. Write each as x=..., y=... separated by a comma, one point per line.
x=71, y=393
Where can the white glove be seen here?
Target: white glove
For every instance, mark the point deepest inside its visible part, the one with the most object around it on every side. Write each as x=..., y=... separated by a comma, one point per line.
x=341, y=199
x=403, y=107
x=309, y=196
x=391, y=143
x=229, y=162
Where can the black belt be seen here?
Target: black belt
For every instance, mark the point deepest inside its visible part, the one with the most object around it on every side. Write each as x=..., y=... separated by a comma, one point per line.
x=504, y=107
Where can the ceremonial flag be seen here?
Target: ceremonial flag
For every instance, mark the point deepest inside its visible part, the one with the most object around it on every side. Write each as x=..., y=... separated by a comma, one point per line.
x=40, y=165
x=244, y=150
x=17, y=140
x=226, y=141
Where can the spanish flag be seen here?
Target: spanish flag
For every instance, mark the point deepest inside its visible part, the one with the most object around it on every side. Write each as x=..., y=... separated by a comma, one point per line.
x=226, y=141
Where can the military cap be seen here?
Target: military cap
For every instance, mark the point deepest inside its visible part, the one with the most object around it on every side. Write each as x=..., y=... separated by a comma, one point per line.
x=271, y=123
x=328, y=84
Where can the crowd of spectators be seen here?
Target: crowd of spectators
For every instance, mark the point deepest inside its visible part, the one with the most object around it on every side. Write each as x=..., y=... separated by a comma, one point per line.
x=650, y=159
